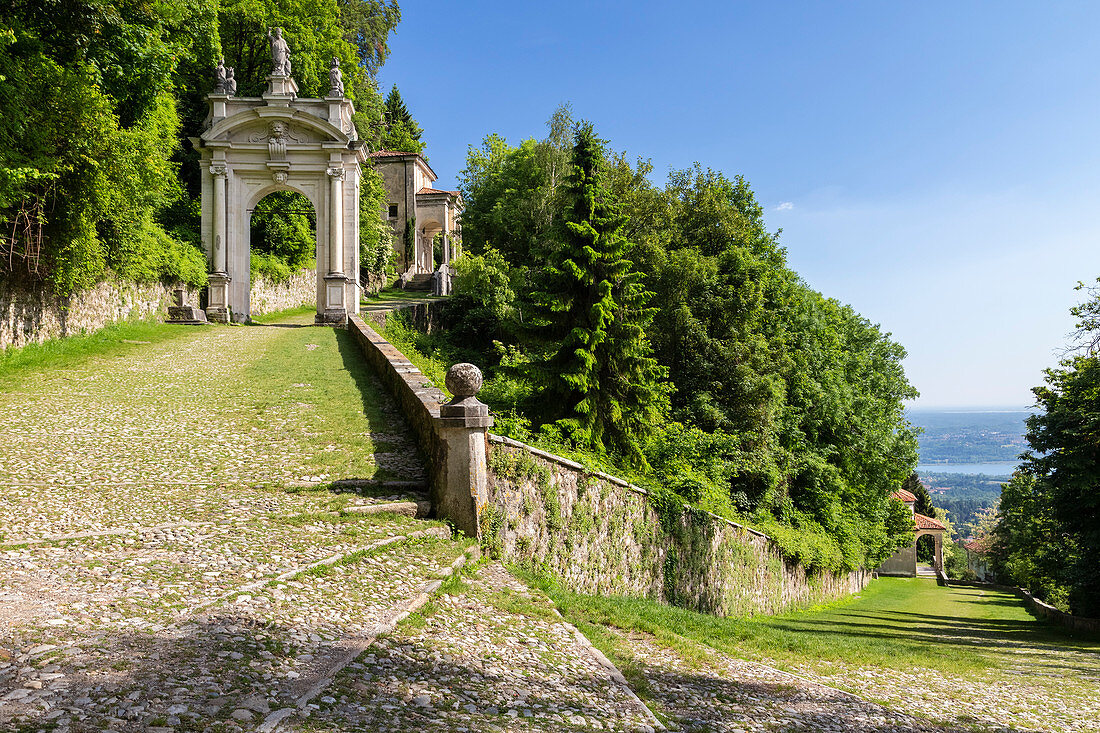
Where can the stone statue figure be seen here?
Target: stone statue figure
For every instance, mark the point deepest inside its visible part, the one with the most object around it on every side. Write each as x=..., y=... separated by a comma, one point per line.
x=335, y=79
x=280, y=53
x=219, y=77
x=230, y=81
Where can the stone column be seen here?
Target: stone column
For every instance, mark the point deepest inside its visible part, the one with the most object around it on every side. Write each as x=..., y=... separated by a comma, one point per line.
x=446, y=232
x=335, y=310
x=220, y=173
x=336, y=221
x=217, y=307
x=462, y=489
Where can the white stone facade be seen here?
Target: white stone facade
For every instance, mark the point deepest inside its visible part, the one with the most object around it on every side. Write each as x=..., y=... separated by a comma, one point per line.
x=254, y=146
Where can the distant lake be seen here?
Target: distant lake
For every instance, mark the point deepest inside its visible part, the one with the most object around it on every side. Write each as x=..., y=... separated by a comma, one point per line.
x=989, y=469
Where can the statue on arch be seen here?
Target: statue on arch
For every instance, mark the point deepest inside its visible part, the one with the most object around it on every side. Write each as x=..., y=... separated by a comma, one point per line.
x=280, y=52
x=220, y=77
x=230, y=81
x=335, y=79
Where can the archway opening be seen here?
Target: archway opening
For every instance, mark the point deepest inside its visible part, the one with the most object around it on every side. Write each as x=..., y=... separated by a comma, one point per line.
x=926, y=549
x=282, y=234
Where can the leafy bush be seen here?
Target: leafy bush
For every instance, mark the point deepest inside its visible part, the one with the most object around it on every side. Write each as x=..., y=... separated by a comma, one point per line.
x=481, y=310
x=270, y=267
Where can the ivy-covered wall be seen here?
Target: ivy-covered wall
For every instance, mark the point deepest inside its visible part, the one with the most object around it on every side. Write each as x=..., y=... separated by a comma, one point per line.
x=598, y=534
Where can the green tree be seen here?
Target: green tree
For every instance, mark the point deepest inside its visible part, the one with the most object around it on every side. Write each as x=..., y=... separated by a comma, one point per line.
x=513, y=196
x=602, y=384
x=401, y=132
x=367, y=25
x=1029, y=546
x=90, y=126
x=1065, y=460
x=376, y=252
x=283, y=235
x=923, y=504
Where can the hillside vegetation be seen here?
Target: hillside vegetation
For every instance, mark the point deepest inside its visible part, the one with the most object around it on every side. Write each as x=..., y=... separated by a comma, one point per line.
x=1047, y=531
x=661, y=332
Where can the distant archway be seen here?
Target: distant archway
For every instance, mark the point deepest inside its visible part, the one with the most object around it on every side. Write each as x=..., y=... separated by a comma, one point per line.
x=254, y=146
x=926, y=549
x=282, y=231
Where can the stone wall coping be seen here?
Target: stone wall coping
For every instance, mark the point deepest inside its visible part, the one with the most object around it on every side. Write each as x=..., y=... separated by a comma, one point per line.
x=504, y=440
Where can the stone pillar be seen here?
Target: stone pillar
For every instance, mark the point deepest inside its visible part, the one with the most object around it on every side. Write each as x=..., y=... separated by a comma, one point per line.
x=220, y=173
x=217, y=308
x=336, y=221
x=462, y=490
x=335, y=310
x=446, y=232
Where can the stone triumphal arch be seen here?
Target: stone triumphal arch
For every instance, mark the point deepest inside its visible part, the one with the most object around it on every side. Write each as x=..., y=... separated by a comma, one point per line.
x=253, y=146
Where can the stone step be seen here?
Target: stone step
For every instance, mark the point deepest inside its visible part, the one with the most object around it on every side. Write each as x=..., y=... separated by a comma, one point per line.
x=369, y=483
x=417, y=509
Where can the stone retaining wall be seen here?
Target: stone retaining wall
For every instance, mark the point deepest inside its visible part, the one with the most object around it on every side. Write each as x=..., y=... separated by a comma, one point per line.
x=33, y=315
x=1050, y=613
x=269, y=297
x=602, y=535
x=1038, y=607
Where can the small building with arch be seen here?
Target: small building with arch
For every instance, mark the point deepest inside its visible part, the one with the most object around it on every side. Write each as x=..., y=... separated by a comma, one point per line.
x=413, y=202
x=903, y=563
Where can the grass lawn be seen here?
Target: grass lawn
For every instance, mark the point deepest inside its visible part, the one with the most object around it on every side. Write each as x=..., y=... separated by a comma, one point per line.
x=396, y=296
x=894, y=623
x=115, y=339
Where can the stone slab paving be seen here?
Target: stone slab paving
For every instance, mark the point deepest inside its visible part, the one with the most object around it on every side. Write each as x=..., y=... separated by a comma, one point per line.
x=194, y=410
x=218, y=669
x=492, y=656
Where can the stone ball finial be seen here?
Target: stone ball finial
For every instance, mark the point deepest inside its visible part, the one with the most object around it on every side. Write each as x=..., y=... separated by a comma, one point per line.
x=463, y=380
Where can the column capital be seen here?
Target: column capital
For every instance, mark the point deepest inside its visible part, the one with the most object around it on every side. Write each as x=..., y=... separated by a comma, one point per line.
x=219, y=170
x=336, y=173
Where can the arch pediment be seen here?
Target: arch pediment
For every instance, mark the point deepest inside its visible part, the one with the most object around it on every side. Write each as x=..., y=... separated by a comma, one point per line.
x=258, y=125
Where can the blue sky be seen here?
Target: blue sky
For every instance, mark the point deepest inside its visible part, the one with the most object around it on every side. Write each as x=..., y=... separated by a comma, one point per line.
x=935, y=165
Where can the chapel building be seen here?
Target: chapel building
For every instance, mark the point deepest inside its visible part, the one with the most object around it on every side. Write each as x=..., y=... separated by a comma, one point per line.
x=412, y=202
x=904, y=562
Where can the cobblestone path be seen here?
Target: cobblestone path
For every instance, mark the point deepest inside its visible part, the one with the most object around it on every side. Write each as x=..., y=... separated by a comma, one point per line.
x=168, y=560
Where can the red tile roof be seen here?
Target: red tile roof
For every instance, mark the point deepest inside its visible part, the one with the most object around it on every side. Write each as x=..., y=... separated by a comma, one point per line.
x=427, y=190
x=924, y=522
x=980, y=546
x=389, y=154
x=903, y=495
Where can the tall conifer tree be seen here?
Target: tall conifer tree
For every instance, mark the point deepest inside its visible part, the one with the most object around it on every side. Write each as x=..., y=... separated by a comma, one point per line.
x=401, y=131
x=602, y=384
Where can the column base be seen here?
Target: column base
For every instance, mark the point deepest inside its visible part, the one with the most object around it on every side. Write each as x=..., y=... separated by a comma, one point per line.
x=335, y=312
x=332, y=317
x=216, y=314
x=217, y=291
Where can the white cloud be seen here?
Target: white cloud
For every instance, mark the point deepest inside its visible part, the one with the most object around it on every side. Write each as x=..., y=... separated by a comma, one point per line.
x=785, y=206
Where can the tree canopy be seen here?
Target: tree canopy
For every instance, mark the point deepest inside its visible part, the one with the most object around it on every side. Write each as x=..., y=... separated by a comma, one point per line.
x=399, y=130
x=785, y=406
x=97, y=98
